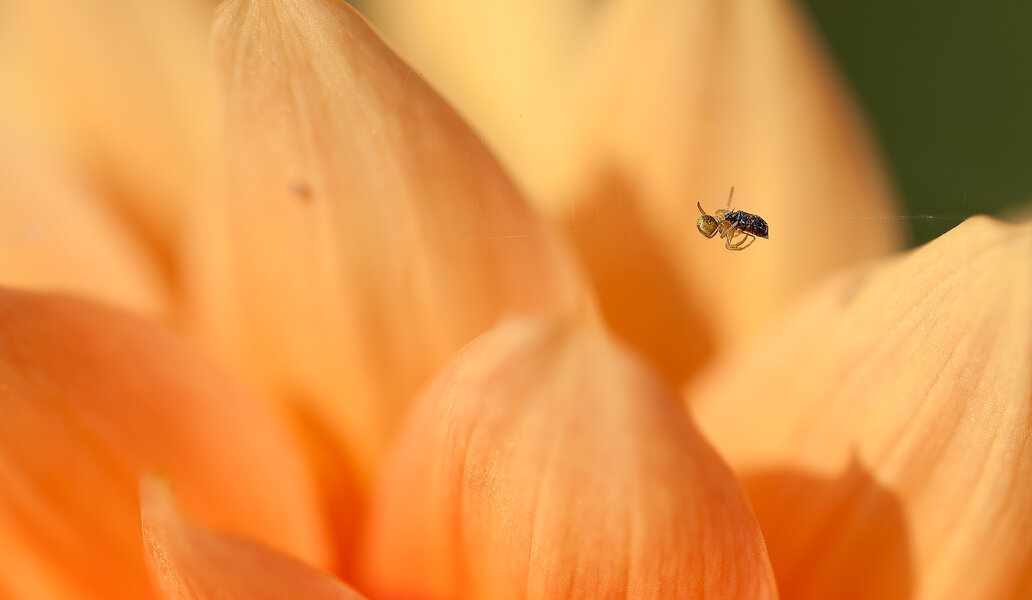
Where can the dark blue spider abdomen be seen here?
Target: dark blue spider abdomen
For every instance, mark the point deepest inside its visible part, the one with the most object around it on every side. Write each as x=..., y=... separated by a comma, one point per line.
x=747, y=223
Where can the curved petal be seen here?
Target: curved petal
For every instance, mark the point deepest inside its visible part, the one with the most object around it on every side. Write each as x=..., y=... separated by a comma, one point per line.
x=56, y=236
x=364, y=232
x=668, y=103
x=90, y=399
x=508, y=67
x=703, y=96
x=125, y=86
x=890, y=417
x=549, y=462
x=188, y=562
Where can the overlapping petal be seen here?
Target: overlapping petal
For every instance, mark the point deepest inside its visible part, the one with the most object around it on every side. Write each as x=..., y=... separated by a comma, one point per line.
x=883, y=430
x=713, y=95
x=509, y=67
x=190, y=562
x=364, y=233
x=549, y=462
x=58, y=236
x=89, y=400
x=125, y=86
x=672, y=104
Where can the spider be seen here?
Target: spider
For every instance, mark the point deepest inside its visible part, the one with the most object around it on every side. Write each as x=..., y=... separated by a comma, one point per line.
x=730, y=223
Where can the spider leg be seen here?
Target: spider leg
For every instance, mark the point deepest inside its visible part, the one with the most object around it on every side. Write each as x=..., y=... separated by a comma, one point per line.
x=746, y=239
x=744, y=242
x=728, y=229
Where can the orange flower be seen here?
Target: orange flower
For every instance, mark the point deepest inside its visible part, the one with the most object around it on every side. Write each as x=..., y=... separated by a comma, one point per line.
x=546, y=462
x=662, y=104
x=449, y=400
x=886, y=448
x=187, y=561
x=91, y=399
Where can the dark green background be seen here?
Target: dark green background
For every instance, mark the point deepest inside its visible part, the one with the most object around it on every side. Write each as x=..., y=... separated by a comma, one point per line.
x=948, y=88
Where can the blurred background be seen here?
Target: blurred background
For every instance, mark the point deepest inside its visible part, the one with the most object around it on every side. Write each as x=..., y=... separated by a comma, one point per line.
x=948, y=89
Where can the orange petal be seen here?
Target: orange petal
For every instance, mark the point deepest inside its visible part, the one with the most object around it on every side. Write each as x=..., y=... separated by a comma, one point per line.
x=668, y=103
x=703, y=96
x=189, y=562
x=125, y=85
x=57, y=236
x=549, y=462
x=506, y=66
x=882, y=431
x=90, y=399
x=365, y=233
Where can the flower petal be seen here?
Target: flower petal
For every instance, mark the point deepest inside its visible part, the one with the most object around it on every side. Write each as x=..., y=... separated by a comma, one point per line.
x=889, y=416
x=365, y=233
x=548, y=462
x=56, y=236
x=668, y=103
x=90, y=399
x=506, y=66
x=703, y=96
x=125, y=86
x=188, y=562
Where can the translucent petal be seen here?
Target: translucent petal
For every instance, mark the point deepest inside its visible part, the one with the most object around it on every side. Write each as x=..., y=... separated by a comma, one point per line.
x=882, y=431
x=364, y=233
x=189, y=562
x=90, y=399
x=548, y=461
x=124, y=85
x=620, y=116
x=58, y=236
x=700, y=97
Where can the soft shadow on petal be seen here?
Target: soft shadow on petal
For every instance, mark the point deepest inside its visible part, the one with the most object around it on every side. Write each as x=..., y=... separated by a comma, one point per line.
x=682, y=100
x=549, y=462
x=918, y=369
x=697, y=97
x=57, y=236
x=364, y=232
x=644, y=297
x=89, y=400
x=856, y=511
x=189, y=562
x=125, y=86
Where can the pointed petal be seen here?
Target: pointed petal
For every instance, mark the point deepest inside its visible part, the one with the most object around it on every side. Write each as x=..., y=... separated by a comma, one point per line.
x=125, y=86
x=668, y=103
x=506, y=66
x=57, y=236
x=188, y=562
x=703, y=96
x=882, y=431
x=549, y=462
x=90, y=399
x=365, y=233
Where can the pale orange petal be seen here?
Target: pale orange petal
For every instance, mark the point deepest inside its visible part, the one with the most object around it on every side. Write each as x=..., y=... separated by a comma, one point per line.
x=883, y=430
x=125, y=85
x=668, y=103
x=57, y=236
x=509, y=67
x=189, y=562
x=703, y=96
x=364, y=233
x=549, y=462
x=90, y=399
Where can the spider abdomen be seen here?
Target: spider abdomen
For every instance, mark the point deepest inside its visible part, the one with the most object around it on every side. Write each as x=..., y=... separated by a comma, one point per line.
x=747, y=223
